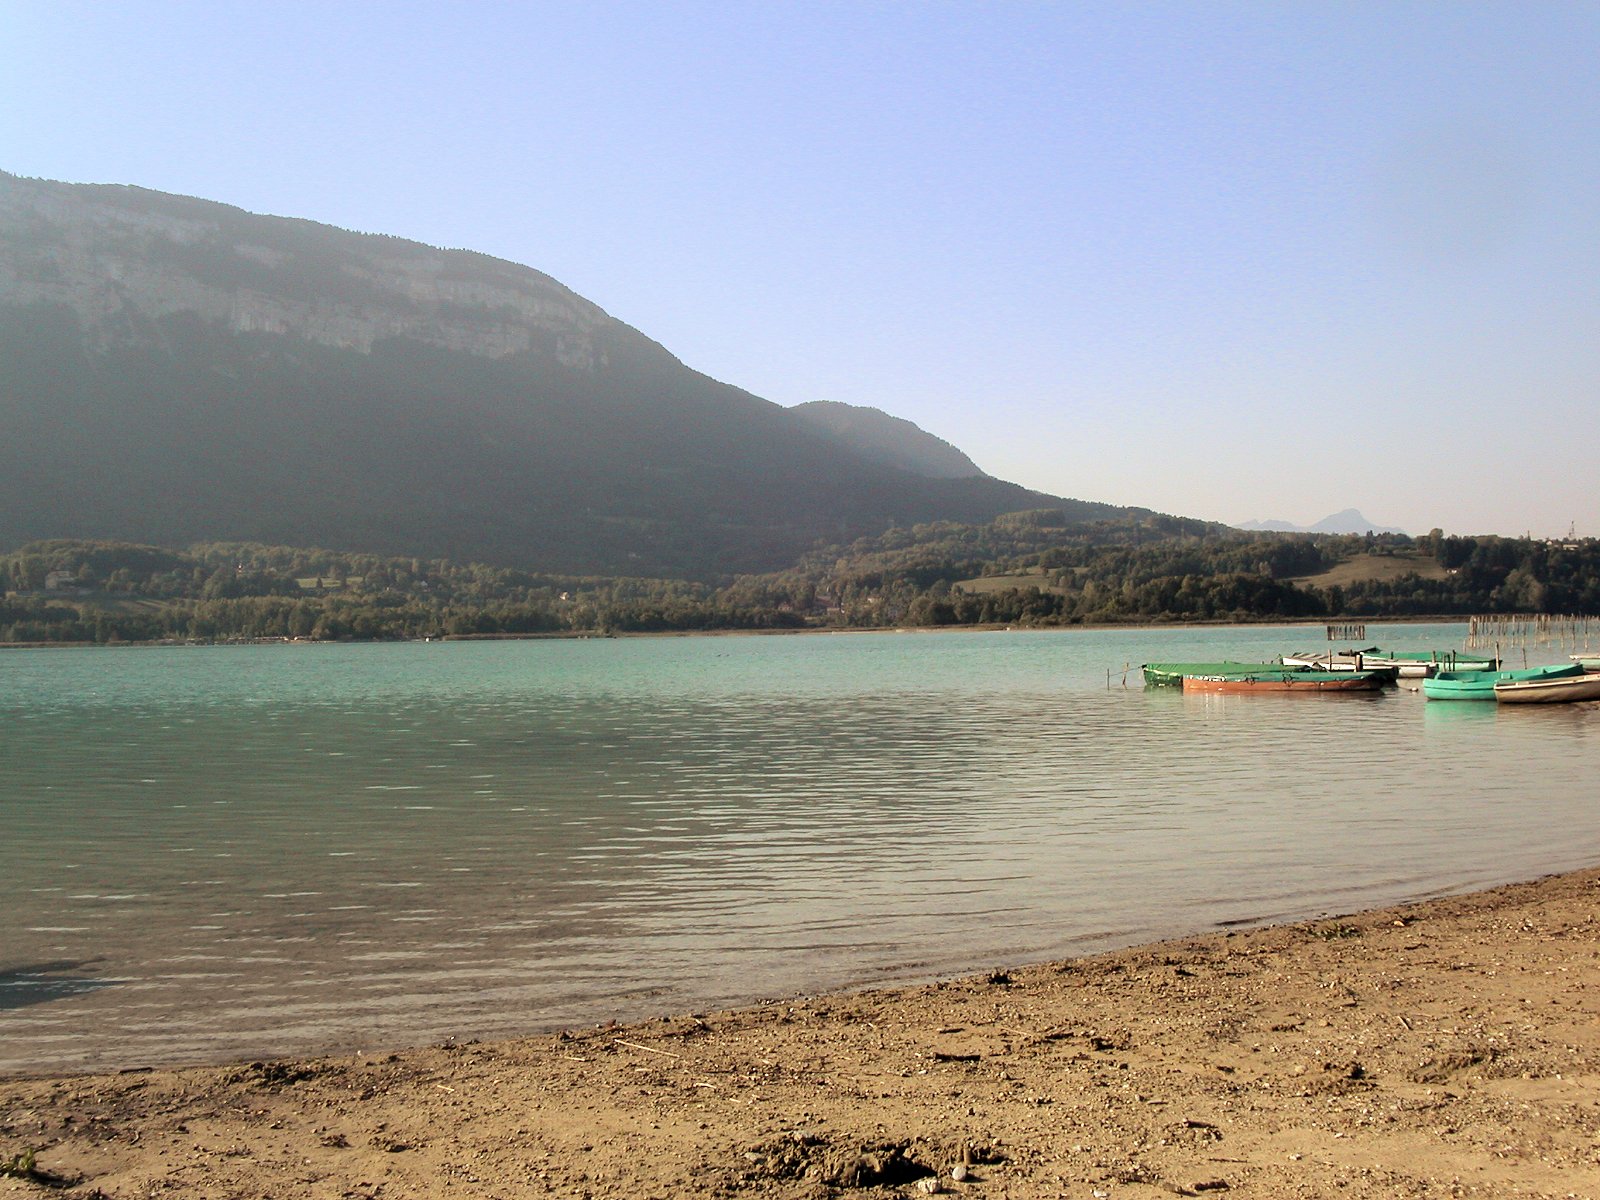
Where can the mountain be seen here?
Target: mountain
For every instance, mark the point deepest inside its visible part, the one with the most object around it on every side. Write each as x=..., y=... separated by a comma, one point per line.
x=892, y=441
x=1348, y=521
x=174, y=370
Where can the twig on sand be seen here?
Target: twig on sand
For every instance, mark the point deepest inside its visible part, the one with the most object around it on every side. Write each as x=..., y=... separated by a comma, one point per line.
x=646, y=1049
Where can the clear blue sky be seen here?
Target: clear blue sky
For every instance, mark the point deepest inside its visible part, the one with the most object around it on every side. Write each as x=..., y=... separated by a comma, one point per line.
x=1224, y=260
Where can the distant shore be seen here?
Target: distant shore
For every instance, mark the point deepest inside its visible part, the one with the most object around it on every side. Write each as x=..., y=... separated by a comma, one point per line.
x=571, y=635
x=1445, y=1048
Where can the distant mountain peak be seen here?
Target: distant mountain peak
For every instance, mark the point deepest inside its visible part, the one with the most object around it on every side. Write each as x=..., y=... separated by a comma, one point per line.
x=892, y=441
x=1349, y=520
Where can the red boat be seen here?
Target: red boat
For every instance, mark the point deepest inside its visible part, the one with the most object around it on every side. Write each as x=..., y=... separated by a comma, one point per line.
x=1304, y=683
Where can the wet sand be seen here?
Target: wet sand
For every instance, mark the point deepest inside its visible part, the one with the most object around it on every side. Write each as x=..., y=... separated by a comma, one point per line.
x=1449, y=1048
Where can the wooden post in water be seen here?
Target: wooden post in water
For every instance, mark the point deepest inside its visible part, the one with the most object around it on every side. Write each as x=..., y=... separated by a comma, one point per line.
x=1524, y=629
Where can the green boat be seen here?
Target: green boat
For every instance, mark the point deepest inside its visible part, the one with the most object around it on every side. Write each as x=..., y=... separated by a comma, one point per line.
x=1171, y=674
x=1479, y=685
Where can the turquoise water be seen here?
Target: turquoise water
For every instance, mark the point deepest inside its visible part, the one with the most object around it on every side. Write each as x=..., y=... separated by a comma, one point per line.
x=215, y=853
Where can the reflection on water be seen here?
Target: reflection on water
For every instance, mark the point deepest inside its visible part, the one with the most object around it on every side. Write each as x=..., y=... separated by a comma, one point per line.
x=39, y=983
x=244, y=851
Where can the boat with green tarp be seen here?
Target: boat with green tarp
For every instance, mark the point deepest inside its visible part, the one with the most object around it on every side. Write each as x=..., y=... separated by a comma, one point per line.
x=1171, y=674
x=1287, y=681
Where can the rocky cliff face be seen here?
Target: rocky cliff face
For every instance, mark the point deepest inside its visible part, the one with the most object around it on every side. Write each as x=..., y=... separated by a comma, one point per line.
x=123, y=257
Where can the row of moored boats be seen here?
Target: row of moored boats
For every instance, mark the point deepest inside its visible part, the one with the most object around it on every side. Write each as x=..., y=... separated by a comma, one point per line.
x=1445, y=676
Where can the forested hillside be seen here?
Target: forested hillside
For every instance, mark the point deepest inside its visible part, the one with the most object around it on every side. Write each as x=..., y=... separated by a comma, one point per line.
x=1029, y=569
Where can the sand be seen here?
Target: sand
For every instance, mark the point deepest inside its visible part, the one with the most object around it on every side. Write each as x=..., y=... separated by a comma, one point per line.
x=1449, y=1048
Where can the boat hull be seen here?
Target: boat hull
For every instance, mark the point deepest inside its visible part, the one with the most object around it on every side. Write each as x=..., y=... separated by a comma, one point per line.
x=1171, y=674
x=1418, y=665
x=1354, y=664
x=1480, y=685
x=1283, y=683
x=1422, y=666
x=1564, y=690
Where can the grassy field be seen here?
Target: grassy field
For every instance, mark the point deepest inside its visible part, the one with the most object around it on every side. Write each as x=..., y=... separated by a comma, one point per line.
x=999, y=583
x=1376, y=566
x=1353, y=570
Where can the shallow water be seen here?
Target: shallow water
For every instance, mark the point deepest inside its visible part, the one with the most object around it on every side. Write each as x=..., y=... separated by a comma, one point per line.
x=229, y=852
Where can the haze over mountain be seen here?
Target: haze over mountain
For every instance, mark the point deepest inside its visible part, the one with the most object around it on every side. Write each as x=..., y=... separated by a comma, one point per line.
x=893, y=441
x=176, y=370
x=1349, y=520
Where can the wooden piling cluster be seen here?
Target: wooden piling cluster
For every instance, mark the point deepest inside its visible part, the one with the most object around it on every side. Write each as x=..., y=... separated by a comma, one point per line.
x=1531, y=629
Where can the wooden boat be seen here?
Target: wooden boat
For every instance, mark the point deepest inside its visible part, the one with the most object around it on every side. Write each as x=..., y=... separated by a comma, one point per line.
x=1286, y=681
x=1348, y=660
x=1480, y=685
x=1563, y=689
x=1171, y=674
x=1414, y=664
x=1420, y=664
x=1327, y=660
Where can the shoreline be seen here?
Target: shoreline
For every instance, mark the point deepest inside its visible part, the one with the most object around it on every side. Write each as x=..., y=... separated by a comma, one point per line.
x=1445, y=1047
x=590, y=636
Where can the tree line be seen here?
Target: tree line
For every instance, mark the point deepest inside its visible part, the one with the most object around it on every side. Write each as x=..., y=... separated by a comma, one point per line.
x=1030, y=569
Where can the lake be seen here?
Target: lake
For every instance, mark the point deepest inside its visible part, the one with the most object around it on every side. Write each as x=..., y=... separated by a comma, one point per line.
x=218, y=853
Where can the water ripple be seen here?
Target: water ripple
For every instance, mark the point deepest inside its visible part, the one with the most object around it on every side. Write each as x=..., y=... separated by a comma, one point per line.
x=677, y=823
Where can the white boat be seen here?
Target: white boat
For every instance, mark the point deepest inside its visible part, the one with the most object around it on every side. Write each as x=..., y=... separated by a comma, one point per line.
x=1416, y=665
x=1426, y=664
x=1561, y=690
x=1345, y=660
x=1589, y=661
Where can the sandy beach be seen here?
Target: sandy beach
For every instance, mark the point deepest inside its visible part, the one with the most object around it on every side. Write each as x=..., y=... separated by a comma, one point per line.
x=1447, y=1048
